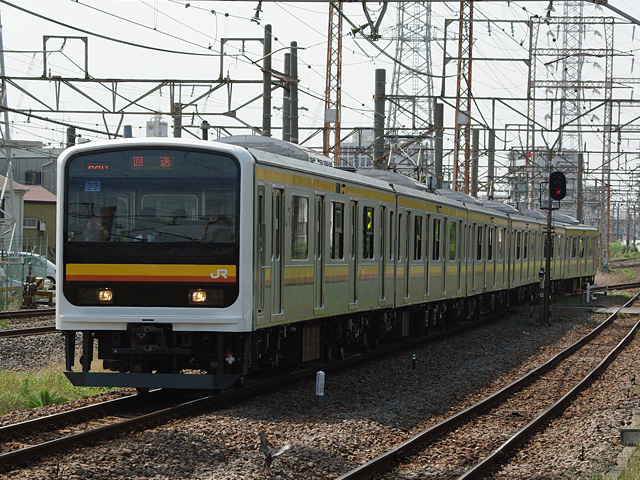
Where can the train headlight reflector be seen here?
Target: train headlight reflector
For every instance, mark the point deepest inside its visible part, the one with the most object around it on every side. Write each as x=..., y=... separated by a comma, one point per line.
x=105, y=295
x=198, y=296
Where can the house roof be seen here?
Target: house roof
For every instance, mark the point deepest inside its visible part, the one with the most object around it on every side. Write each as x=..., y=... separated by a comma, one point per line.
x=36, y=193
x=16, y=186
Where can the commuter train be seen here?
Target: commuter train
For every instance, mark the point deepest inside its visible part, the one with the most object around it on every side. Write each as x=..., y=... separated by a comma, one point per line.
x=188, y=264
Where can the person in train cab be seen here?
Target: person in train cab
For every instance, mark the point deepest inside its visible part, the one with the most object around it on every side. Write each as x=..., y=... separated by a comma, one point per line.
x=217, y=227
x=98, y=228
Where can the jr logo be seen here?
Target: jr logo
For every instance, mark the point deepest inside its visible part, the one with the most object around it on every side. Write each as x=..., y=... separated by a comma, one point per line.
x=221, y=272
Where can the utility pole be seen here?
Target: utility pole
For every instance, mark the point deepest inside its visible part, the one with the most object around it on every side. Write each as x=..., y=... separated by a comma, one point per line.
x=462, y=139
x=266, y=83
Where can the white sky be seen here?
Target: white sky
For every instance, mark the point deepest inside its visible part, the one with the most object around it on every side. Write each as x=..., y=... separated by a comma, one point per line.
x=169, y=24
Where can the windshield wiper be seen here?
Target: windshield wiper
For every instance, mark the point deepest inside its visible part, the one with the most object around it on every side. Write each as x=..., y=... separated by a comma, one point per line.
x=191, y=239
x=140, y=239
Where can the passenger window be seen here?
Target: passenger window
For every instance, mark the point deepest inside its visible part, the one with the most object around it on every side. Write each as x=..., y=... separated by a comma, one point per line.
x=417, y=238
x=337, y=231
x=391, y=246
x=490, y=243
x=436, y=239
x=299, y=227
x=518, y=245
x=367, y=232
x=453, y=240
x=479, y=244
x=526, y=246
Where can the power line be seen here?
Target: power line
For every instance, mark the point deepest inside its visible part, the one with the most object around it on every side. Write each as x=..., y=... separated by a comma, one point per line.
x=105, y=37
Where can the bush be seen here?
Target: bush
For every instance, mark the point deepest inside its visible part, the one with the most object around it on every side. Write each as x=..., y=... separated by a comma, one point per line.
x=43, y=399
x=39, y=388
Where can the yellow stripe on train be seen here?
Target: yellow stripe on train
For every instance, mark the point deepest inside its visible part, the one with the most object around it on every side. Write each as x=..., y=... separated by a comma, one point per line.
x=119, y=272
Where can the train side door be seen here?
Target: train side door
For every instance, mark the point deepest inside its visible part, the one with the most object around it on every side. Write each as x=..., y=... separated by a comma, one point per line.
x=319, y=260
x=353, y=252
x=261, y=257
x=472, y=255
x=383, y=252
x=446, y=239
x=277, y=264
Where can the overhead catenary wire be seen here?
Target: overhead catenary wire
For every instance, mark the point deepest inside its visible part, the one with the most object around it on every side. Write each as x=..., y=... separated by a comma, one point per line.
x=106, y=37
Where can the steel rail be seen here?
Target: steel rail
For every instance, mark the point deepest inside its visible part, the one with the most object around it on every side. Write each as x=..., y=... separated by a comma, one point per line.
x=73, y=415
x=554, y=410
x=379, y=463
x=25, y=332
x=617, y=286
x=40, y=312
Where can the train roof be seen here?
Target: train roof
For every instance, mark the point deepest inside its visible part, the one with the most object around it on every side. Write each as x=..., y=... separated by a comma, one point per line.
x=277, y=147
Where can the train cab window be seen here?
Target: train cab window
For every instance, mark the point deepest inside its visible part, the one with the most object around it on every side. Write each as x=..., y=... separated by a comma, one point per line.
x=337, y=231
x=367, y=232
x=436, y=239
x=490, y=244
x=299, y=227
x=518, y=244
x=453, y=240
x=479, y=240
x=417, y=238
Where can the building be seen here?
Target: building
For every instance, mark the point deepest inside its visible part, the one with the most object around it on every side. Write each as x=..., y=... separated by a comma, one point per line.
x=39, y=222
x=357, y=151
x=33, y=163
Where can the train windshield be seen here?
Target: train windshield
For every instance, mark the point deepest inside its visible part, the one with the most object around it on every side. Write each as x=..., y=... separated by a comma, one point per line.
x=162, y=195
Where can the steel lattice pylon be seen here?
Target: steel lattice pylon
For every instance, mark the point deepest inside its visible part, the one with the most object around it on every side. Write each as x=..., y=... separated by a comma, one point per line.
x=463, y=99
x=332, y=97
x=411, y=113
x=570, y=108
x=571, y=87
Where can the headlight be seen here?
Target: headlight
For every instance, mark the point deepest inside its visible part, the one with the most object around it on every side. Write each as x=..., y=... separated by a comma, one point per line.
x=210, y=297
x=198, y=296
x=95, y=296
x=105, y=295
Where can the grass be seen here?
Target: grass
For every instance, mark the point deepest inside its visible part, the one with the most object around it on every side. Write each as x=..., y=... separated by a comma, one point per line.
x=617, y=252
x=38, y=388
x=615, y=276
x=632, y=470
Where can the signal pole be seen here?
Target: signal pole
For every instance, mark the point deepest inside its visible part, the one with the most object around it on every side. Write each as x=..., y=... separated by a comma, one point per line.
x=557, y=191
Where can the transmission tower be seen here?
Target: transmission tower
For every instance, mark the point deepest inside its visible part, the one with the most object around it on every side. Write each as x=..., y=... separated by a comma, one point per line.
x=570, y=108
x=411, y=110
x=333, y=88
x=570, y=139
x=461, y=173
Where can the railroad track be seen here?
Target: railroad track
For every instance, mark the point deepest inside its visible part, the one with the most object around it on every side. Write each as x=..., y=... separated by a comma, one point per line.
x=26, y=441
x=26, y=332
x=40, y=312
x=472, y=442
x=22, y=331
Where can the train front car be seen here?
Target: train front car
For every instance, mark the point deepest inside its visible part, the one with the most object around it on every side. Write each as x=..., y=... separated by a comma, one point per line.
x=149, y=243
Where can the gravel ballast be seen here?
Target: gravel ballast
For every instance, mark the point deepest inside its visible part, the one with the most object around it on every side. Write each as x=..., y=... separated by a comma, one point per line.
x=369, y=409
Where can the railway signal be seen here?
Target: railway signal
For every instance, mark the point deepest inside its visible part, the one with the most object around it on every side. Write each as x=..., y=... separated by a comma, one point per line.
x=557, y=185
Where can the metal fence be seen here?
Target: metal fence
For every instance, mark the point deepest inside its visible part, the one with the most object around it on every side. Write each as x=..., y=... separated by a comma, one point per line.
x=31, y=258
